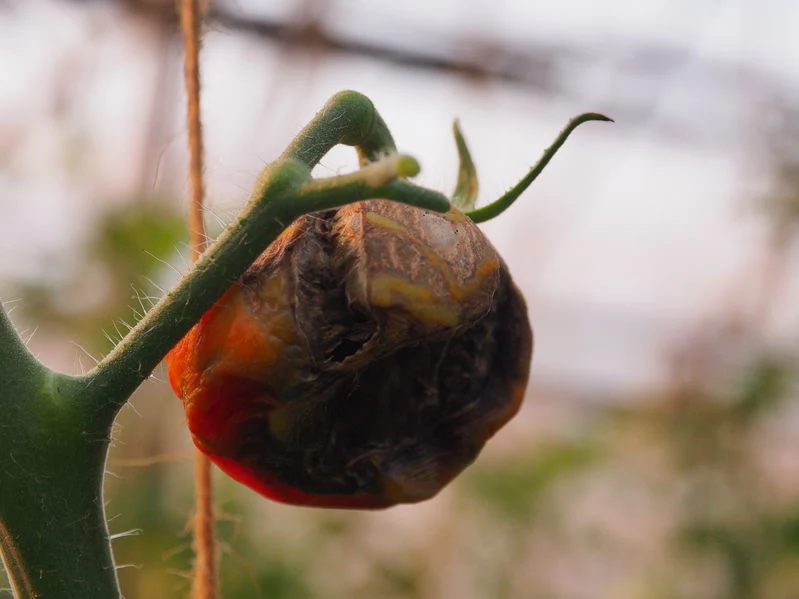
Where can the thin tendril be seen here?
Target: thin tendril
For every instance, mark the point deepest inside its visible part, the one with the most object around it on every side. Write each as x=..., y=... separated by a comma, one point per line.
x=499, y=206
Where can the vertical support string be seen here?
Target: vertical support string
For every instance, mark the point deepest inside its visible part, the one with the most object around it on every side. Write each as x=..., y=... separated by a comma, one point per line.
x=205, y=579
x=190, y=25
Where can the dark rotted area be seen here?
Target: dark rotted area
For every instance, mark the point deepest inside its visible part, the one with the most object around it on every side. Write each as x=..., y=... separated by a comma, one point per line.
x=417, y=411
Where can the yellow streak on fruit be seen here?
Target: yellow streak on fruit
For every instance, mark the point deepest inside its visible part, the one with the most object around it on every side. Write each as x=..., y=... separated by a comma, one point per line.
x=456, y=215
x=457, y=292
x=386, y=223
x=418, y=300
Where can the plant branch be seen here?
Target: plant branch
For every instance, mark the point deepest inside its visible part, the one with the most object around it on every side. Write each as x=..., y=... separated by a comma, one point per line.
x=53, y=533
x=376, y=180
x=322, y=197
x=499, y=206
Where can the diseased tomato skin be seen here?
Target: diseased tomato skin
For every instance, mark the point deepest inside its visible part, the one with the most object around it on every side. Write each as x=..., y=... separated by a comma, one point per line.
x=313, y=379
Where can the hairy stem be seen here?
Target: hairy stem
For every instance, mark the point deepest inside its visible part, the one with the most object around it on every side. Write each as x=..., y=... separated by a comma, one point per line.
x=53, y=534
x=348, y=118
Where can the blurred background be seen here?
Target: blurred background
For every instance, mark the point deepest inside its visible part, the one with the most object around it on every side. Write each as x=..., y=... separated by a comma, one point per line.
x=657, y=454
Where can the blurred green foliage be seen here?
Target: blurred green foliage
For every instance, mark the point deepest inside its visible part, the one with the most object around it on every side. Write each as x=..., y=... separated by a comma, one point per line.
x=515, y=488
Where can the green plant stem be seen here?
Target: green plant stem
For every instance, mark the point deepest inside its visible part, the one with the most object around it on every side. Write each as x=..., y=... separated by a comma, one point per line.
x=51, y=517
x=499, y=206
x=348, y=118
x=53, y=534
x=111, y=382
x=322, y=196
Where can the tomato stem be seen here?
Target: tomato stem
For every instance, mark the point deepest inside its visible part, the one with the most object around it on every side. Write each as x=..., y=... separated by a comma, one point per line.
x=348, y=118
x=381, y=179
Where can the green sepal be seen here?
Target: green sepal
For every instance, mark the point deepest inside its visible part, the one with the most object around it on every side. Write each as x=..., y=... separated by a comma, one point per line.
x=465, y=195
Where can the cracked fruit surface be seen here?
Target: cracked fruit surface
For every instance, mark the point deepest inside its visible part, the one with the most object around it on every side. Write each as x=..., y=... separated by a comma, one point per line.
x=362, y=361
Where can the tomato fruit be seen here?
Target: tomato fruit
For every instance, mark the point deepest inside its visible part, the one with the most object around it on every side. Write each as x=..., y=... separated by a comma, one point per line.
x=362, y=361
